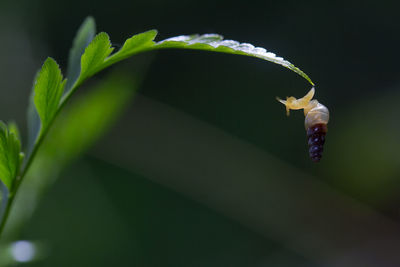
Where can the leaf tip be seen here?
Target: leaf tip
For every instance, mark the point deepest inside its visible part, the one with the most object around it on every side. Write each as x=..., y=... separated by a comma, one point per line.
x=153, y=33
x=50, y=63
x=89, y=21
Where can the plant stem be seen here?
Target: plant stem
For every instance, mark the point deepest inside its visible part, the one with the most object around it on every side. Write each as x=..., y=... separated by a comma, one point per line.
x=36, y=147
x=11, y=197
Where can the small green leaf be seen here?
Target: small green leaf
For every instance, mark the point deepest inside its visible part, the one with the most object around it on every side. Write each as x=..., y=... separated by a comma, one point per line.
x=10, y=148
x=48, y=91
x=138, y=42
x=95, y=54
x=84, y=36
x=215, y=42
x=13, y=128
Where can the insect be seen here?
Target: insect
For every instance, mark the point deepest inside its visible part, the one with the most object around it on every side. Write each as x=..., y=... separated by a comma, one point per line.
x=316, y=120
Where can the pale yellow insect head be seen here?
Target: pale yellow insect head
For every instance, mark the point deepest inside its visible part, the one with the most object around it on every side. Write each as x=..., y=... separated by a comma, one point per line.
x=305, y=102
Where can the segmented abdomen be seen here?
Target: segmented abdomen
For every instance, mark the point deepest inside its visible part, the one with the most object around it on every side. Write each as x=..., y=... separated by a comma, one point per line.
x=316, y=139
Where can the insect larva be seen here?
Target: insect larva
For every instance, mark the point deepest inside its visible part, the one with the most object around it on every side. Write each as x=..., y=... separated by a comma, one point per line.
x=316, y=120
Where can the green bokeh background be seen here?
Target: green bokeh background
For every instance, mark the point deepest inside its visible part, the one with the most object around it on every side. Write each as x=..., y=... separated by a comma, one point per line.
x=127, y=201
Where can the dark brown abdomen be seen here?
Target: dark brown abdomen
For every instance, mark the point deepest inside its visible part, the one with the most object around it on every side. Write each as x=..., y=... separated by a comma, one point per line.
x=316, y=139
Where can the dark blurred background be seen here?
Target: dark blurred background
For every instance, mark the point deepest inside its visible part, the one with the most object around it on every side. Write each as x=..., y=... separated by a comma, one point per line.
x=203, y=168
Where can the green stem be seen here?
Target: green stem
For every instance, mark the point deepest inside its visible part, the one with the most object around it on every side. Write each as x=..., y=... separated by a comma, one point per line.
x=20, y=178
x=38, y=143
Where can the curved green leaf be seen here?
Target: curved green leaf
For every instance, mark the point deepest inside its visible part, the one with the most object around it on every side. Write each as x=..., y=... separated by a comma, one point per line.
x=216, y=43
x=95, y=57
x=209, y=42
x=48, y=91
